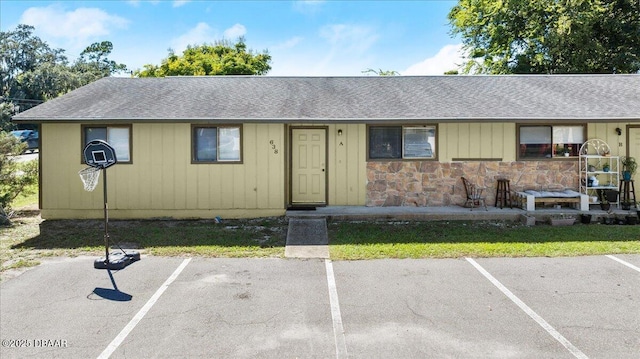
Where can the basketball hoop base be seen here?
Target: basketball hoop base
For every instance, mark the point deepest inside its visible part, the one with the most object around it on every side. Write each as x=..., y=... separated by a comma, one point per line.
x=117, y=260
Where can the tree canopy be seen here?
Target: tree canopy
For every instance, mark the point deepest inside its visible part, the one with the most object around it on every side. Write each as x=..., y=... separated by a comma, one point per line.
x=220, y=58
x=548, y=36
x=381, y=72
x=32, y=72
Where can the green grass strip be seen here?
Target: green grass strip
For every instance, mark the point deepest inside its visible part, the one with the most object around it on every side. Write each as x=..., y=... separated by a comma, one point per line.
x=454, y=239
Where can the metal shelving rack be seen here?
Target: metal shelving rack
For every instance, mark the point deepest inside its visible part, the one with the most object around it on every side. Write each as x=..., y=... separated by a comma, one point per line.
x=594, y=154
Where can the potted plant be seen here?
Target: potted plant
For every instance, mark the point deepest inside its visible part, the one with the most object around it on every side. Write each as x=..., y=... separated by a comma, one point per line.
x=606, y=196
x=559, y=150
x=631, y=219
x=606, y=167
x=629, y=167
x=585, y=218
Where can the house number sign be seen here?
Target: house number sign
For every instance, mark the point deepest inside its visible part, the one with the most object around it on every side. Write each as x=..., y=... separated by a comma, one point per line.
x=273, y=147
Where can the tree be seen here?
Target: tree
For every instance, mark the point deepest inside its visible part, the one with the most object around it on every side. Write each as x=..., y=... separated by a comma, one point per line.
x=15, y=178
x=94, y=64
x=31, y=72
x=221, y=58
x=549, y=36
x=22, y=53
x=381, y=72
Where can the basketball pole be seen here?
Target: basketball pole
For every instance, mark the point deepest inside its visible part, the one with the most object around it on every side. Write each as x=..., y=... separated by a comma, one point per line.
x=106, y=216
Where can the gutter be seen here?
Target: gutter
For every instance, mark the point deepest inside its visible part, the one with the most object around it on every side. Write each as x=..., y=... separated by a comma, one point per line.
x=320, y=120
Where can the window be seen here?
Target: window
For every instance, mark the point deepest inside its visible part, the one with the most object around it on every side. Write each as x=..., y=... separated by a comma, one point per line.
x=216, y=144
x=550, y=141
x=119, y=137
x=397, y=142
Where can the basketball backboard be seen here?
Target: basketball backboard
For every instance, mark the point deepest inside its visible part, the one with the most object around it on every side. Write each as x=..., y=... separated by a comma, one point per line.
x=99, y=153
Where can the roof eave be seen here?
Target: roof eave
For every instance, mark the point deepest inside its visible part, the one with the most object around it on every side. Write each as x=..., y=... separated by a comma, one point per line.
x=318, y=119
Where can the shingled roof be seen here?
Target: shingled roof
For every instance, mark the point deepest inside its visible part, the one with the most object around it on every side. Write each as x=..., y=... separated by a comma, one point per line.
x=343, y=99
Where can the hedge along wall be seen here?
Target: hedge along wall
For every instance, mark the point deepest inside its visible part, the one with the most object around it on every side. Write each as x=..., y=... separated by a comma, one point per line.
x=420, y=184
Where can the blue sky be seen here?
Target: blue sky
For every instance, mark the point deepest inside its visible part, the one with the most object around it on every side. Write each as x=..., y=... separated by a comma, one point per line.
x=304, y=38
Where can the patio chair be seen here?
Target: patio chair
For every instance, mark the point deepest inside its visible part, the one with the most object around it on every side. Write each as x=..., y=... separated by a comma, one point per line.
x=474, y=195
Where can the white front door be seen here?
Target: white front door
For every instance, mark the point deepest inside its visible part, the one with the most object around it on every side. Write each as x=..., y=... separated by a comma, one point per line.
x=308, y=166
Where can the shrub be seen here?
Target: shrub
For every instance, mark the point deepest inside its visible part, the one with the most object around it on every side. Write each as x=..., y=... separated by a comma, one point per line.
x=15, y=177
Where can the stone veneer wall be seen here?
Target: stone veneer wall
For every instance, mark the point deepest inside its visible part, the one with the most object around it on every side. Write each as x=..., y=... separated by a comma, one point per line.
x=427, y=183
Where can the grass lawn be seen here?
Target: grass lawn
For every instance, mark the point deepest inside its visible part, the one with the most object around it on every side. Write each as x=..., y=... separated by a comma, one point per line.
x=30, y=199
x=477, y=239
x=30, y=239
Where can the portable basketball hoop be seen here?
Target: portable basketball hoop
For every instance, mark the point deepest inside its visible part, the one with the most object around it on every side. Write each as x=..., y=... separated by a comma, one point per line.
x=99, y=155
x=89, y=177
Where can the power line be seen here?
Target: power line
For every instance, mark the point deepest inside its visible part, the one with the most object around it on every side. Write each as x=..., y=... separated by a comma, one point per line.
x=13, y=99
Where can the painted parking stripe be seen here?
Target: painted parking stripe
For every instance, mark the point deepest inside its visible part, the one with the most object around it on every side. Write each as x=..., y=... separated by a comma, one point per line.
x=143, y=311
x=543, y=323
x=338, y=329
x=624, y=262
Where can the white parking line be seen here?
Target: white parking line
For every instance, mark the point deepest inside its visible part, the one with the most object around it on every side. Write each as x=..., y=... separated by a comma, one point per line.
x=543, y=323
x=338, y=329
x=138, y=317
x=624, y=262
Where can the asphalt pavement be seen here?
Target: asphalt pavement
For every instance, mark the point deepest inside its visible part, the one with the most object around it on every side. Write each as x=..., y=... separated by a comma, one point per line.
x=578, y=307
x=27, y=156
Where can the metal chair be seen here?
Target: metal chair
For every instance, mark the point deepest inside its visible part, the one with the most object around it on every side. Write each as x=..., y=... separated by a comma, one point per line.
x=474, y=195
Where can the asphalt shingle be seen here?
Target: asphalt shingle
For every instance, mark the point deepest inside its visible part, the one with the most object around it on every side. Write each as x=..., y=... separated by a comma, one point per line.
x=367, y=98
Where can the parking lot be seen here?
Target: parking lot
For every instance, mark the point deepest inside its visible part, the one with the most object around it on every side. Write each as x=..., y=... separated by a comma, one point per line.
x=579, y=307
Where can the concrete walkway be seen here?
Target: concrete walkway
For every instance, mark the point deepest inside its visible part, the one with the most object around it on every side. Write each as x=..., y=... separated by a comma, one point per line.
x=307, y=237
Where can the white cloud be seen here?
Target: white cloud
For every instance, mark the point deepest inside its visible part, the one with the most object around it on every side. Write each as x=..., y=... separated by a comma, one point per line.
x=136, y=3
x=178, y=3
x=347, y=48
x=288, y=44
x=73, y=28
x=308, y=6
x=450, y=57
x=200, y=34
x=235, y=32
x=336, y=50
x=352, y=38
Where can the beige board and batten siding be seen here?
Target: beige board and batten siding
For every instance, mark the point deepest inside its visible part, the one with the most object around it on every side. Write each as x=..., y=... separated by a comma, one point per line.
x=475, y=140
x=625, y=144
x=347, y=165
x=59, y=161
x=162, y=181
x=607, y=133
x=497, y=140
